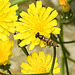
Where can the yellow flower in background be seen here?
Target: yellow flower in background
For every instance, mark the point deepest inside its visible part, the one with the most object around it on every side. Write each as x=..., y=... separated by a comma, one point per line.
x=5, y=52
x=38, y=19
x=64, y=5
x=38, y=63
x=7, y=19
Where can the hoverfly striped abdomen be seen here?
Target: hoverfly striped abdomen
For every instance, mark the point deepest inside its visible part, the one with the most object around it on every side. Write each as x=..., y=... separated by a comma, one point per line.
x=48, y=41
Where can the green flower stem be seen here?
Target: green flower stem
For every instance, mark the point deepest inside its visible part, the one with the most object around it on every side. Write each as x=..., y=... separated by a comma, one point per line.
x=9, y=71
x=66, y=42
x=62, y=66
x=61, y=31
x=51, y=71
x=23, y=48
x=62, y=59
x=54, y=38
x=71, y=59
x=18, y=2
x=67, y=52
x=64, y=55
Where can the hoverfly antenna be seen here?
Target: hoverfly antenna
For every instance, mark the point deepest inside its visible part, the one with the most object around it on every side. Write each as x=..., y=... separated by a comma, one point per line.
x=37, y=34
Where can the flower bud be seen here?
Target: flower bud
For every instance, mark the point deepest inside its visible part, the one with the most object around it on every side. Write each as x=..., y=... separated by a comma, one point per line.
x=64, y=5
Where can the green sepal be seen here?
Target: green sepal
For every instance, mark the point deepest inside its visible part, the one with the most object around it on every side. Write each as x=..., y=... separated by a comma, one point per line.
x=18, y=13
x=6, y=67
x=66, y=17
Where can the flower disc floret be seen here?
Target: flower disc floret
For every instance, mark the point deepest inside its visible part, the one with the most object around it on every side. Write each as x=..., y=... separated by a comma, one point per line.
x=8, y=18
x=38, y=63
x=5, y=52
x=38, y=19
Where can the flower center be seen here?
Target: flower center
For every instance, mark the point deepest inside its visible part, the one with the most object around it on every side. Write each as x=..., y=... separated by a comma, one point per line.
x=39, y=27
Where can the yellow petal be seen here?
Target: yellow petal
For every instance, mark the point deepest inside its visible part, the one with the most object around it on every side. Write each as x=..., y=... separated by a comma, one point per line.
x=15, y=7
x=42, y=44
x=51, y=24
x=4, y=37
x=56, y=63
x=12, y=30
x=38, y=4
x=49, y=64
x=24, y=71
x=42, y=10
x=21, y=28
x=37, y=41
x=41, y=57
x=31, y=61
x=6, y=32
x=46, y=13
x=25, y=41
x=35, y=57
x=24, y=15
x=32, y=45
x=56, y=70
x=47, y=59
x=25, y=66
x=32, y=9
x=5, y=52
x=22, y=35
x=26, y=19
x=49, y=30
x=52, y=16
x=56, y=30
x=1, y=29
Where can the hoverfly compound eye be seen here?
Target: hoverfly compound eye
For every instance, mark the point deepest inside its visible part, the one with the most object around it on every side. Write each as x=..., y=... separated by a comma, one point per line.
x=37, y=34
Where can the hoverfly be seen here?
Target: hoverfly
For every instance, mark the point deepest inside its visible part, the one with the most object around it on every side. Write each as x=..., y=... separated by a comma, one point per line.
x=48, y=41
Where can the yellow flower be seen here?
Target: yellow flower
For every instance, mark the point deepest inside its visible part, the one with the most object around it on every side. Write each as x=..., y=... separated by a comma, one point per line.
x=7, y=19
x=38, y=63
x=5, y=52
x=64, y=5
x=38, y=19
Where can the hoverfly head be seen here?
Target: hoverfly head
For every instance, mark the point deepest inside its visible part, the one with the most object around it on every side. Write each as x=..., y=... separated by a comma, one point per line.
x=37, y=34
